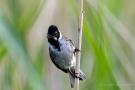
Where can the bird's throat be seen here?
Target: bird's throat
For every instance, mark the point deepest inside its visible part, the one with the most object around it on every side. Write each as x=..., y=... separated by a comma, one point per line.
x=55, y=43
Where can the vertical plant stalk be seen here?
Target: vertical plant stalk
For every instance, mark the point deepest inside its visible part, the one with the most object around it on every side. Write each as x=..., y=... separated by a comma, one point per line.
x=78, y=54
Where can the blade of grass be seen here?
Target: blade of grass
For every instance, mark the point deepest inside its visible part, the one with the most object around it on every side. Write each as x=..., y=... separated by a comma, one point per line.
x=18, y=54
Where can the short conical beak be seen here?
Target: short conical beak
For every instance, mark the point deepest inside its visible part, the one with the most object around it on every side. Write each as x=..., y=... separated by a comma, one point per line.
x=49, y=36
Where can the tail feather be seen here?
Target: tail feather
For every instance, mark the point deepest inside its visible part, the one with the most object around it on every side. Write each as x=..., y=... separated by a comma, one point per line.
x=72, y=78
x=81, y=75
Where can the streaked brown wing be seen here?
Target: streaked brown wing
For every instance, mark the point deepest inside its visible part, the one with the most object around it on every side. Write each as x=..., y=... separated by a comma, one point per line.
x=69, y=40
x=71, y=44
x=51, y=56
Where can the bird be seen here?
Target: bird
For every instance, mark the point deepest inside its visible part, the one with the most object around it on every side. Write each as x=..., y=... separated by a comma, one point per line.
x=62, y=53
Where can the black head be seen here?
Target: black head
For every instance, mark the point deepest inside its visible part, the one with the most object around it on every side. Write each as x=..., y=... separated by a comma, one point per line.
x=53, y=33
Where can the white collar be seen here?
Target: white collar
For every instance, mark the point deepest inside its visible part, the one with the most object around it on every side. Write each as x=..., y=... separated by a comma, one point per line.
x=60, y=36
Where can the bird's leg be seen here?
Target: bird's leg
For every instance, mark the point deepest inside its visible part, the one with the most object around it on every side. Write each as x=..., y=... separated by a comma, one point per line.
x=73, y=74
x=77, y=50
x=76, y=73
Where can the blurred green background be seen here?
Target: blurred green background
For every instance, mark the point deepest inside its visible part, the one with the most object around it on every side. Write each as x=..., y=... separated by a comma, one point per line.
x=108, y=44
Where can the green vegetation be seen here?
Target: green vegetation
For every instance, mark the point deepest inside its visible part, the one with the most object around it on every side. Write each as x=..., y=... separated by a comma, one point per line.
x=108, y=44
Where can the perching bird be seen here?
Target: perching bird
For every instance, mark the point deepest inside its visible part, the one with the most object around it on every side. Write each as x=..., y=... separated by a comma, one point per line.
x=62, y=53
